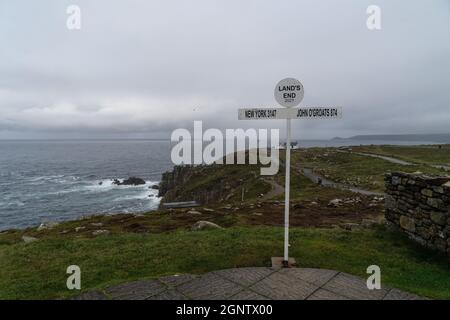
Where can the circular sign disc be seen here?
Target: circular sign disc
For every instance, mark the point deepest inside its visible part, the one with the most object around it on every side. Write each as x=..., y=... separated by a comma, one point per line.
x=289, y=92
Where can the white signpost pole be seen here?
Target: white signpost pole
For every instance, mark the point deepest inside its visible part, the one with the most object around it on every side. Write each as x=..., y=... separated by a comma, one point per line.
x=287, y=193
x=288, y=93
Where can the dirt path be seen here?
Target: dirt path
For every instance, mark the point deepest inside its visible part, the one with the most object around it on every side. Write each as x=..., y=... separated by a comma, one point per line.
x=276, y=189
x=389, y=159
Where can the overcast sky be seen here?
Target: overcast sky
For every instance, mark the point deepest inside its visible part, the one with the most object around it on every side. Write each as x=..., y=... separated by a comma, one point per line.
x=144, y=68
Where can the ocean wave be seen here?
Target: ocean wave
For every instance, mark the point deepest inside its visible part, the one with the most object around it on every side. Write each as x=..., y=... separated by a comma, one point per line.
x=16, y=203
x=99, y=186
x=107, y=185
x=54, y=179
x=140, y=196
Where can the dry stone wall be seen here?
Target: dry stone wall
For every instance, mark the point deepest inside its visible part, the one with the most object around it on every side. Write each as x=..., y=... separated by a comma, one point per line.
x=420, y=206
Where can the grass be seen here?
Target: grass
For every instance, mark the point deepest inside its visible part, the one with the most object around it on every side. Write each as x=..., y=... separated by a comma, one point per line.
x=160, y=243
x=353, y=169
x=303, y=189
x=38, y=269
x=426, y=154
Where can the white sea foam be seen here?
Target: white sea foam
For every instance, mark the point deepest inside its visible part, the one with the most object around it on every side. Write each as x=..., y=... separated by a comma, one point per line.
x=103, y=186
x=107, y=185
x=149, y=195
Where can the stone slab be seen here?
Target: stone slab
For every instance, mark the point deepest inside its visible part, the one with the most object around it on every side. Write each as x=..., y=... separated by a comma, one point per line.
x=316, y=277
x=396, y=294
x=323, y=294
x=252, y=284
x=176, y=280
x=136, y=290
x=248, y=295
x=353, y=288
x=209, y=287
x=245, y=276
x=170, y=294
x=280, y=286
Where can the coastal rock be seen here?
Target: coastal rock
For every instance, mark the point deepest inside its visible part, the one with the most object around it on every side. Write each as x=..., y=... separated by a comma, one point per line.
x=97, y=224
x=47, y=225
x=208, y=210
x=28, y=239
x=155, y=187
x=132, y=181
x=78, y=229
x=194, y=212
x=99, y=232
x=335, y=203
x=202, y=225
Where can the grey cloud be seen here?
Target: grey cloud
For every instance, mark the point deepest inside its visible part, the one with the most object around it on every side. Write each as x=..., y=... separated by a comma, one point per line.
x=147, y=67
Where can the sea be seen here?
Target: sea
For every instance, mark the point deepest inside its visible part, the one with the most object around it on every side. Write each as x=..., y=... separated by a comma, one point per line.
x=55, y=180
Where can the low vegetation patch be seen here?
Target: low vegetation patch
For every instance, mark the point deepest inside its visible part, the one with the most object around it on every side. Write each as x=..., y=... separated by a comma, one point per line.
x=38, y=269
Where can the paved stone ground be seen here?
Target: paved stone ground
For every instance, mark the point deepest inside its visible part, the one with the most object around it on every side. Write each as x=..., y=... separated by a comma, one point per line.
x=252, y=284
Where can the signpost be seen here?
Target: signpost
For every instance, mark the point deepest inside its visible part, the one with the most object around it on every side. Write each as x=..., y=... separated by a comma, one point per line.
x=289, y=113
x=288, y=93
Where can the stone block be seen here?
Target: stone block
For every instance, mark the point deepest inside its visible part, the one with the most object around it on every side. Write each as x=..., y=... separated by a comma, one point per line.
x=438, y=189
x=427, y=192
x=435, y=203
x=439, y=217
x=395, y=180
x=407, y=223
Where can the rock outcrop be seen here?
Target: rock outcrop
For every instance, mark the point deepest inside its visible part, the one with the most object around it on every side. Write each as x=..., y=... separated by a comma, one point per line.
x=132, y=181
x=202, y=225
x=206, y=183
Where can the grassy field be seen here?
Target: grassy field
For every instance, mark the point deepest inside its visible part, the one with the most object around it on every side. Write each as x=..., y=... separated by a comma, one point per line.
x=161, y=243
x=38, y=269
x=426, y=154
x=353, y=169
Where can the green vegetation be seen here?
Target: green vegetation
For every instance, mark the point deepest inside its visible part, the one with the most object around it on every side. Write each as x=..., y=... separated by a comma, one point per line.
x=353, y=169
x=303, y=189
x=161, y=243
x=216, y=182
x=37, y=270
x=426, y=154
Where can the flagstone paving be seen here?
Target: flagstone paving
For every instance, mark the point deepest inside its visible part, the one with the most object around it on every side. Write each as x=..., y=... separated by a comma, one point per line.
x=252, y=284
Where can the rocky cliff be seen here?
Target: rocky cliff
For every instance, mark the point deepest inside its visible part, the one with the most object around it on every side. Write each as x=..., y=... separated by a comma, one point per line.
x=212, y=183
